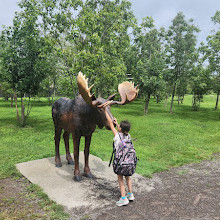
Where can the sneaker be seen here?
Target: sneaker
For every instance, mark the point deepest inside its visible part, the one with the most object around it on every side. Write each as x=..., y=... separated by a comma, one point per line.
x=130, y=197
x=122, y=202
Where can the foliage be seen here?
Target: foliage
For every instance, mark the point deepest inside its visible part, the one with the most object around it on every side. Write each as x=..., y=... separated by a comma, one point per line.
x=48, y=45
x=216, y=18
x=51, y=41
x=106, y=37
x=200, y=85
x=213, y=55
x=181, y=54
x=90, y=37
x=23, y=55
x=150, y=62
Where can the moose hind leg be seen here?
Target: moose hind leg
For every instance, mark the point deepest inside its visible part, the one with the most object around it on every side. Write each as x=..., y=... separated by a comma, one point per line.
x=57, y=147
x=87, y=172
x=66, y=141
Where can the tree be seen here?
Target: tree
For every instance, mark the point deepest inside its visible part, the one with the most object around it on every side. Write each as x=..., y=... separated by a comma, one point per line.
x=181, y=43
x=213, y=55
x=91, y=37
x=49, y=86
x=200, y=84
x=151, y=63
x=23, y=55
x=59, y=24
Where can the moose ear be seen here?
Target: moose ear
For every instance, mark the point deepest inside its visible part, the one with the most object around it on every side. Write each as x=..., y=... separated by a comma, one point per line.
x=111, y=97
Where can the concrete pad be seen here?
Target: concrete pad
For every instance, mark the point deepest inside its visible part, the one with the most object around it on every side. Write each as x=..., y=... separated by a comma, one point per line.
x=58, y=184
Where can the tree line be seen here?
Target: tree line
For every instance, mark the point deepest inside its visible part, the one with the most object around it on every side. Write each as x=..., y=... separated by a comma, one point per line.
x=50, y=41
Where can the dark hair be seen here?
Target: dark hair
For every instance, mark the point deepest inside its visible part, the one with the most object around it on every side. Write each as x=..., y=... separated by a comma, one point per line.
x=125, y=126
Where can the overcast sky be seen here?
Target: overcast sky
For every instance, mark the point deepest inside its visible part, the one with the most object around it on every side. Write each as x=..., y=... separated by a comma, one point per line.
x=162, y=11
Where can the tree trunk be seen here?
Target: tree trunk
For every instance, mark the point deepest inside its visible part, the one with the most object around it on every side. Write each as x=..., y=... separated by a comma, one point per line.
x=147, y=104
x=166, y=101
x=54, y=88
x=16, y=106
x=11, y=101
x=22, y=112
x=173, y=94
x=194, y=102
x=158, y=99
x=216, y=104
x=178, y=99
x=182, y=99
x=6, y=98
x=49, y=97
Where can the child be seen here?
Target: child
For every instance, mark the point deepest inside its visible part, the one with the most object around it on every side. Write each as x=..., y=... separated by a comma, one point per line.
x=123, y=129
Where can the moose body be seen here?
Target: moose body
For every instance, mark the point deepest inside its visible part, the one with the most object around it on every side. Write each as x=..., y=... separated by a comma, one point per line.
x=80, y=118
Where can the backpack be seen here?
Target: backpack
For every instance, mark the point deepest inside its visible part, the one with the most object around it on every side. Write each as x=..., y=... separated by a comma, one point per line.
x=125, y=159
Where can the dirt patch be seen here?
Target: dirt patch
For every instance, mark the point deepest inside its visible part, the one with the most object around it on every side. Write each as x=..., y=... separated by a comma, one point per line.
x=17, y=202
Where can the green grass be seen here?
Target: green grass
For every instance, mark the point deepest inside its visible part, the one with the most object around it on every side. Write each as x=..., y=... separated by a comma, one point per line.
x=163, y=140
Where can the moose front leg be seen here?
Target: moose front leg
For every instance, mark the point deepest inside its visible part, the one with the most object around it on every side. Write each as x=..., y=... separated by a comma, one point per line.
x=87, y=171
x=76, y=142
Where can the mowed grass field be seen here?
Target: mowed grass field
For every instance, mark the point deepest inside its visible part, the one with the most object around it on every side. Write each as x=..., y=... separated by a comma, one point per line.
x=162, y=140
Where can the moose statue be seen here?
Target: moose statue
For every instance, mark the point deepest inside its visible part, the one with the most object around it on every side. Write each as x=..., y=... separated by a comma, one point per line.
x=80, y=117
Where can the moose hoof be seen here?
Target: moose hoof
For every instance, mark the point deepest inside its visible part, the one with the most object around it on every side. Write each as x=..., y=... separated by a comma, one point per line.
x=71, y=162
x=77, y=178
x=89, y=175
x=58, y=165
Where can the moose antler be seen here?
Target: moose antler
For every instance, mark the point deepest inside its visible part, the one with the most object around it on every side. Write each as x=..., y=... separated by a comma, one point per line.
x=82, y=83
x=126, y=90
x=85, y=92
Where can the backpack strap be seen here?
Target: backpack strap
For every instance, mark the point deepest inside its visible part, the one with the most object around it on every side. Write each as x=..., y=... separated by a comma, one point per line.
x=112, y=155
x=119, y=136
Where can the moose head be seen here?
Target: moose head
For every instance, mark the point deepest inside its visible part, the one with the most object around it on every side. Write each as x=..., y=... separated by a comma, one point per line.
x=127, y=92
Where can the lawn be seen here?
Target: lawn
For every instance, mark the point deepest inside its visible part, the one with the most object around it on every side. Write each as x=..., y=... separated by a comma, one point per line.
x=162, y=140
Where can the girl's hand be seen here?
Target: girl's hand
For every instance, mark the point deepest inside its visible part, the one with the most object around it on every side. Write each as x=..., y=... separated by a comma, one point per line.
x=118, y=127
x=115, y=121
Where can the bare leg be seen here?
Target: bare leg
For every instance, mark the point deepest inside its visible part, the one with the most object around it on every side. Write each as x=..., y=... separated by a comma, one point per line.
x=87, y=171
x=66, y=141
x=57, y=147
x=129, y=183
x=121, y=185
x=76, y=142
